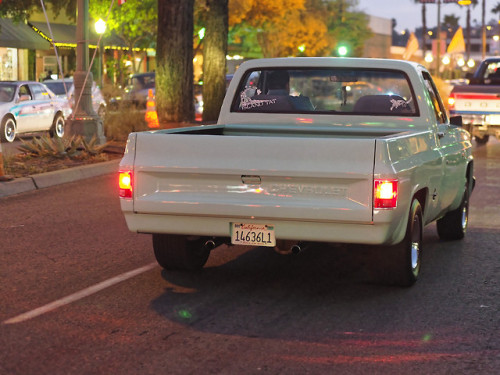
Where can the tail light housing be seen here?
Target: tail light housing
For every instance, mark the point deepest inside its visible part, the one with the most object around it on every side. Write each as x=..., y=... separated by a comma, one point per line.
x=385, y=193
x=451, y=101
x=125, y=182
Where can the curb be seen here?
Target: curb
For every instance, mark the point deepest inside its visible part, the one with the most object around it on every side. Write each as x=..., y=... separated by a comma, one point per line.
x=63, y=176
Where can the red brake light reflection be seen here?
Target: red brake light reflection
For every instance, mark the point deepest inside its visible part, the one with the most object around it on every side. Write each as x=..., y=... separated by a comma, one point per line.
x=385, y=193
x=451, y=101
x=125, y=184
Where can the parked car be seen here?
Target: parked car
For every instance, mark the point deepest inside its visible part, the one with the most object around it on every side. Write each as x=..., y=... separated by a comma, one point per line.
x=28, y=106
x=57, y=86
x=137, y=91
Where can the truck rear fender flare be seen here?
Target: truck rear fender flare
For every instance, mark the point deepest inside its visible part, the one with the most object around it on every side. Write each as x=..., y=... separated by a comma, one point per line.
x=471, y=180
x=422, y=195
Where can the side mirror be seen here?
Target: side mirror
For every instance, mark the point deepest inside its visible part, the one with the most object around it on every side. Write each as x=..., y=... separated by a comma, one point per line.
x=456, y=120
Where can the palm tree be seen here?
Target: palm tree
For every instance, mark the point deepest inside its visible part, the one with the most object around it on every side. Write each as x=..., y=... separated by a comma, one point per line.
x=496, y=9
x=450, y=21
x=424, y=27
x=467, y=32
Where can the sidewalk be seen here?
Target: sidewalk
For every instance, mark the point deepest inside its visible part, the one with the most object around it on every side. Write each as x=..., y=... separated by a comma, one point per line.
x=43, y=180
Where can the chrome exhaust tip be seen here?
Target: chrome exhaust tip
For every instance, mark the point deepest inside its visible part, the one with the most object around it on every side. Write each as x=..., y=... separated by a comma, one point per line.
x=210, y=245
x=295, y=249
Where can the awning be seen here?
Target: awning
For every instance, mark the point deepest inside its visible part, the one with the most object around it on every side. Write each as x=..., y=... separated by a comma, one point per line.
x=20, y=35
x=63, y=35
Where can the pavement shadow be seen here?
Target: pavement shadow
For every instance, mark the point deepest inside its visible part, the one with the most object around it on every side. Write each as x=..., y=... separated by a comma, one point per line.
x=259, y=293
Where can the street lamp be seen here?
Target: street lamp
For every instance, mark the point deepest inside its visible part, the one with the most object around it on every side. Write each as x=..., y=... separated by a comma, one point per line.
x=428, y=57
x=100, y=28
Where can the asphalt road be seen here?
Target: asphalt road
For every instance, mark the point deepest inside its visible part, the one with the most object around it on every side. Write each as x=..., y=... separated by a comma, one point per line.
x=80, y=294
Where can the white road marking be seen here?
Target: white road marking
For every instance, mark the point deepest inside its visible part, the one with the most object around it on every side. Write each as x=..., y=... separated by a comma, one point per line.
x=79, y=295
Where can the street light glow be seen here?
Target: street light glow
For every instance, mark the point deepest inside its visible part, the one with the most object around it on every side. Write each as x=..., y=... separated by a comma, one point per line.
x=100, y=26
x=201, y=33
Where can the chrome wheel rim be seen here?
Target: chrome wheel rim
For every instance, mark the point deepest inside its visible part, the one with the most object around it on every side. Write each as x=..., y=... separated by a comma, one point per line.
x=10, y=130
x=415, y=250
x=60, y=127
x=415, y=255
x=465, y=218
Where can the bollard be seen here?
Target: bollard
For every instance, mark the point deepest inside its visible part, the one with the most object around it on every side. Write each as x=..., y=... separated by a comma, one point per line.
x=3, y=176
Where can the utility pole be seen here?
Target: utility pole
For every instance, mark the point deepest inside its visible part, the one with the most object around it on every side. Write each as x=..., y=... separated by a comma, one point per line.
x=438, y=49
x=483, y=12
x=84, y=121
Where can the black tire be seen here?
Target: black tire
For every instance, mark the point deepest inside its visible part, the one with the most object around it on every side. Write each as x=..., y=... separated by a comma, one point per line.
x=8, y=129
x=57, y=129
x=482, y=140
x=179, y=252
x=453, y=225
x=406, y=257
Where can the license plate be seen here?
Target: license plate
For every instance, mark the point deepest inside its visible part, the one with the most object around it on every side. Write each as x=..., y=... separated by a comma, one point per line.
x=253, y=234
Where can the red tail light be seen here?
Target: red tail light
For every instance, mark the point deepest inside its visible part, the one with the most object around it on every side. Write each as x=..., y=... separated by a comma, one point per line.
x=125, y=183
x=451, y=102
x=385, y=193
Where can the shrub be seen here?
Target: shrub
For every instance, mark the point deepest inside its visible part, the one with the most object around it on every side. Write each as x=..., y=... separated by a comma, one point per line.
x=74, y=147
x=120, y=122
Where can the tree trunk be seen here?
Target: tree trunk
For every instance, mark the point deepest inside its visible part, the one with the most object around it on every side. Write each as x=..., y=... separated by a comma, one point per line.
x=174, y=53
x=214, y=58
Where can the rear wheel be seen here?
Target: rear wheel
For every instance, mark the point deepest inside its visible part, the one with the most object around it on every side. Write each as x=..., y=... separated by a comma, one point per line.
x=180, y=252
x=8, y=129
x=453, y=225
x=57, y=129
x=407, y=255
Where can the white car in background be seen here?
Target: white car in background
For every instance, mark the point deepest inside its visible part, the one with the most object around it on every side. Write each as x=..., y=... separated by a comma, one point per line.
x=58, y=87
x=29, y=106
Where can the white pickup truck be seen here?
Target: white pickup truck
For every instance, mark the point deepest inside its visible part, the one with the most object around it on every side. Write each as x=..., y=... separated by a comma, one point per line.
x=305, y=150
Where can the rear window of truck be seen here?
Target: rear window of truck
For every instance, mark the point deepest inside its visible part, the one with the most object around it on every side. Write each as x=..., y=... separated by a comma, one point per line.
x=327, y=91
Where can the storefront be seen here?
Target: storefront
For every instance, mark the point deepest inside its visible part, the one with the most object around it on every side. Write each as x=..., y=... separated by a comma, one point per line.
x=18, y=44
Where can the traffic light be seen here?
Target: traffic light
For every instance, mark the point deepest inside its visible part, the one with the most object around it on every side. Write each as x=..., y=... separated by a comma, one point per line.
x=342, y=50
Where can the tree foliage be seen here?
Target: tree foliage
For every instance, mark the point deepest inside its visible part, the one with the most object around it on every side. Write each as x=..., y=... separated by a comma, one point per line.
x=134, y=22
x=20, y=10
x=297, y=27
x=496, y=9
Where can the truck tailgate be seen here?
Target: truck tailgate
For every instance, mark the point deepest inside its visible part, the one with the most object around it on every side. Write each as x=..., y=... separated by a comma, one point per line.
x=311, y=179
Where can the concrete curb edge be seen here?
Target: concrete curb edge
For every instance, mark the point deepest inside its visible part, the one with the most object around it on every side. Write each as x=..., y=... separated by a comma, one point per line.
x=43, y=180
